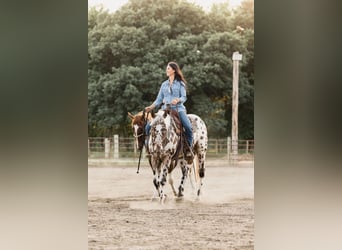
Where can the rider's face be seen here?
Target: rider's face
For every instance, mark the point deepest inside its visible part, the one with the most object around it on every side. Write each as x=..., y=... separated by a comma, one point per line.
x=169, y=71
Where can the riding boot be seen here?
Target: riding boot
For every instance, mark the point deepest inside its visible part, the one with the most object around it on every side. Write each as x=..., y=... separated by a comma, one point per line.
x=148, y=155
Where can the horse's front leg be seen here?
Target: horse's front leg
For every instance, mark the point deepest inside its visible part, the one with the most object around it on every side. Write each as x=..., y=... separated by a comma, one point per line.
x=156, y=173
x=156, y=193
x=162, y=180
x=201, y=160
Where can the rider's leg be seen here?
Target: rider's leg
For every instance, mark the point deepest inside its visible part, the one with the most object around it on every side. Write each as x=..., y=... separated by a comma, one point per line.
x=187, y=127
x=147, y=133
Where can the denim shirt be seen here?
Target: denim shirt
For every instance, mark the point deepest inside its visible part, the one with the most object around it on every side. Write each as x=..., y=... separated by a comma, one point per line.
x=167, y=94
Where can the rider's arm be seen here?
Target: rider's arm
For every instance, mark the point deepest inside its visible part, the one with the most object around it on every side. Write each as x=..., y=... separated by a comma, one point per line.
x=182, y=97
x=159, y=98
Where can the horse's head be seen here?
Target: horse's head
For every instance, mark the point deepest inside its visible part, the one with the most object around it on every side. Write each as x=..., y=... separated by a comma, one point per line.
x=163, y=137
x=138, y=125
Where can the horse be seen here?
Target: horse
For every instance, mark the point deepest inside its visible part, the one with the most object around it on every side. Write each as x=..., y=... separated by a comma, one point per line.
x=162, y=145
x=138, y=124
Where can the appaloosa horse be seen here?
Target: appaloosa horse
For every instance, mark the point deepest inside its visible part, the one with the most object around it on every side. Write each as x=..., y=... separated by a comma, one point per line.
x=139, y=122
x=162, y=145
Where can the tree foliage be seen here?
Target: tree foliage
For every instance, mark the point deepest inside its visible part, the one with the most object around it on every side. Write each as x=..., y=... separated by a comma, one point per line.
x=128, y=51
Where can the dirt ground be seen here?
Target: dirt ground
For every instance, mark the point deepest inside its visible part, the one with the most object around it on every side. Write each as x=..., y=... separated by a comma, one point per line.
x=121, y=214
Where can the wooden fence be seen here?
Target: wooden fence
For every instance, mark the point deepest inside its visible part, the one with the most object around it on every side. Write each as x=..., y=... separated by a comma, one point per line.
x=123, y=147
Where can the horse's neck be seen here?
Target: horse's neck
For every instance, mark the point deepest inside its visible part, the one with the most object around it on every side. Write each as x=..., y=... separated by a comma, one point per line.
x=139, y=119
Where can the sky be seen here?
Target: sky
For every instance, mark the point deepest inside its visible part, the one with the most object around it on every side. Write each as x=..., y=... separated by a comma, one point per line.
x=113, y=5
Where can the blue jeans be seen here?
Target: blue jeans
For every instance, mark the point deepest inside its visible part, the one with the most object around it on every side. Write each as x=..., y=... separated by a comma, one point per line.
x=186, y=125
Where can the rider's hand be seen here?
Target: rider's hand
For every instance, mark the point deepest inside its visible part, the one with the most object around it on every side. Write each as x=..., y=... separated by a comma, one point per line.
x=149, y=108
x=175, y=101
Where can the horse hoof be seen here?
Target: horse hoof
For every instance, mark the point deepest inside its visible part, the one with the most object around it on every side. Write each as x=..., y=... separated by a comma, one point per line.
x=163, y=200
x=179, y=198
x=201, y=172
x=154, y=199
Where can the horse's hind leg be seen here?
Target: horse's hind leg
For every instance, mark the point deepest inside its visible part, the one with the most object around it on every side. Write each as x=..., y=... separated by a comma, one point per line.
x=201, y=172
x=185, y=171
x=162, y=180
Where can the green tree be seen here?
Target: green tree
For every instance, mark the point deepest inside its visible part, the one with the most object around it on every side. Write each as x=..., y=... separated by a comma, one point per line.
x=128, y=51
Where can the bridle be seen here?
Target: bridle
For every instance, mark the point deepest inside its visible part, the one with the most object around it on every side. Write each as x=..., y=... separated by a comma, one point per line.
x=143, y=126
x=137, y=136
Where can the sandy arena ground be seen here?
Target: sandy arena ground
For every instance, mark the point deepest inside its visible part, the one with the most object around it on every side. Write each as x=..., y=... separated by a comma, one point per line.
x=121, y=214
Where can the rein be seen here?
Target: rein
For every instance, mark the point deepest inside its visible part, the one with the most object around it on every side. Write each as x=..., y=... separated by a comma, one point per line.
x=142, y=134
x=137, y=136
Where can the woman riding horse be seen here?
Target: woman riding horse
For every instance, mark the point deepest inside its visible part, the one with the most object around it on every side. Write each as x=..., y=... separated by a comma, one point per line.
x=173, y=93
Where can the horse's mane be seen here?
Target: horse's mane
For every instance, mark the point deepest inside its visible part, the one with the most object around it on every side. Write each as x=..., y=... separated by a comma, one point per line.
x=160, y=117
x=138, y=118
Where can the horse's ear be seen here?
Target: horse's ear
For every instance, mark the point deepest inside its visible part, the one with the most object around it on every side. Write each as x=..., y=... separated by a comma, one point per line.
x=130, y=115
x=153, y=113
x=165, y=114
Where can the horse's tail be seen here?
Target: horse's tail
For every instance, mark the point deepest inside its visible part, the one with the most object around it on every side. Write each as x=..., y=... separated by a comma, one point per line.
x=195, y=167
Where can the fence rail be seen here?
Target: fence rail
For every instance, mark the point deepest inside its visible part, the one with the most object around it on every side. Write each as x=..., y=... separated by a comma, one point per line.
x=124, y=147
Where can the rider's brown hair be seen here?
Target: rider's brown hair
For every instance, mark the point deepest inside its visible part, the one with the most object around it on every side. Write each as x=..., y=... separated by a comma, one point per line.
x=178, y=73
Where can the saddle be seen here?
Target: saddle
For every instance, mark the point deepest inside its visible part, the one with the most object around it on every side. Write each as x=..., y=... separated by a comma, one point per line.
x=181, y=146
x=178, y=123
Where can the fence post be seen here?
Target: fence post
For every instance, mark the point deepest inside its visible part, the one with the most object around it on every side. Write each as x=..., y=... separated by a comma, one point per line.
x=216, y=146
x=228, y=148
x=107, y=147
x=116, y=146
x=247, y=146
